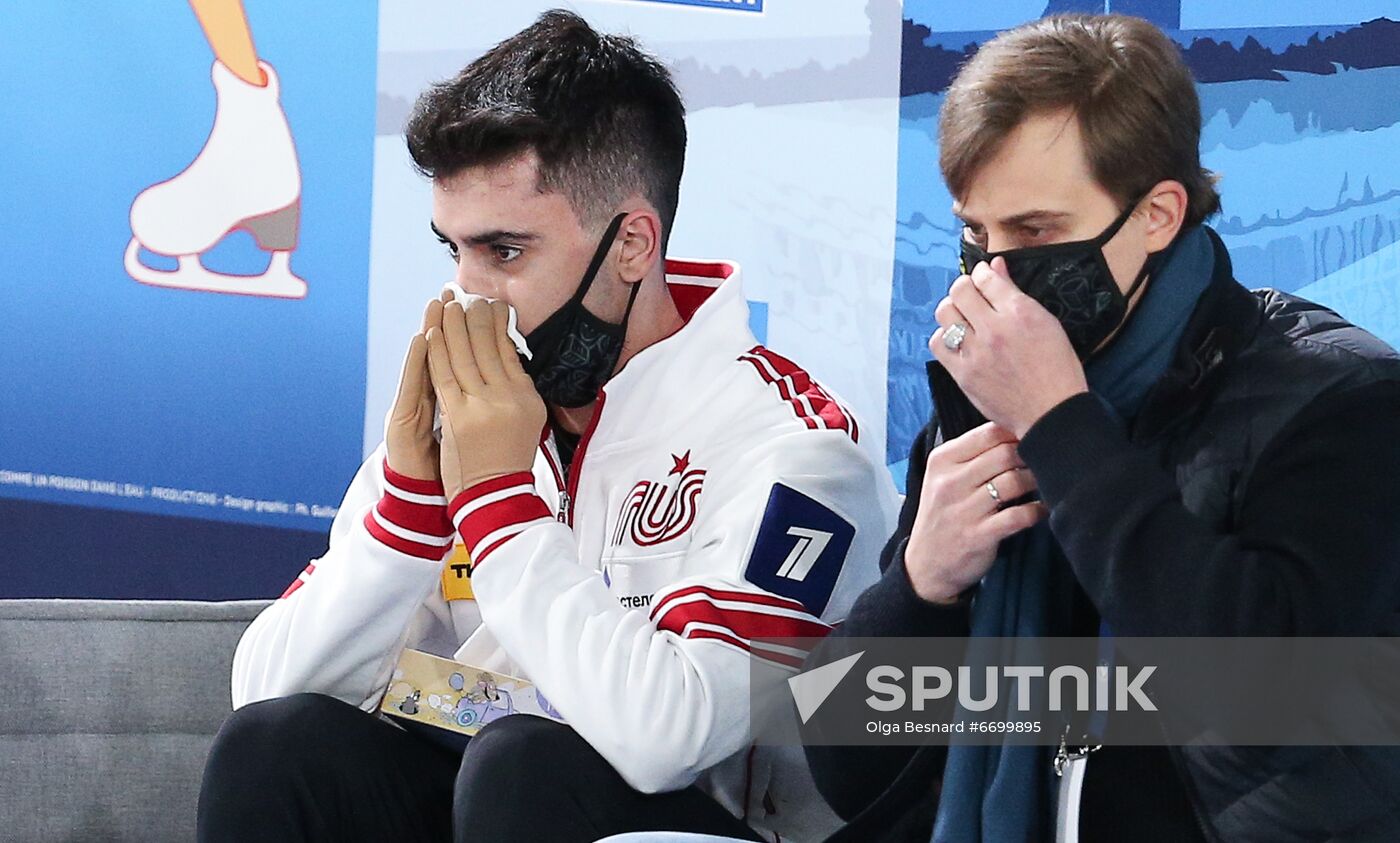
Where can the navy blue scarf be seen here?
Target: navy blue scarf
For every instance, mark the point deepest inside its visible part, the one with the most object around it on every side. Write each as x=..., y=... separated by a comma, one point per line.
x=1006, y=793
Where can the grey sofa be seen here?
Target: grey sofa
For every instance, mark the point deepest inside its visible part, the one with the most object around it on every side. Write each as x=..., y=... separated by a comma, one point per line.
x=107, y=711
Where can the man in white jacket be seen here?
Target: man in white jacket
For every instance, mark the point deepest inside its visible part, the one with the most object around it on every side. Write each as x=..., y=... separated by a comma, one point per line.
x=633, y=506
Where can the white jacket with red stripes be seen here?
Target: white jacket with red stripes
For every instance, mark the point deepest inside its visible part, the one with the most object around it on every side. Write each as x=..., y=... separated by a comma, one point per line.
x=719, y=495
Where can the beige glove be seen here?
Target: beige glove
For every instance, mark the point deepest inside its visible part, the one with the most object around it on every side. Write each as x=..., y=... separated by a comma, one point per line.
x=408, y=434
x=484, y=396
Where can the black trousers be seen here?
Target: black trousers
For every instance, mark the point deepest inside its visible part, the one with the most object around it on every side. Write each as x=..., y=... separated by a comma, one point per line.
x=309, y=767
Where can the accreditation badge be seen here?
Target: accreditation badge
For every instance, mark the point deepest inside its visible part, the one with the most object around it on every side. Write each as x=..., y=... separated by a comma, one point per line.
x=459, y=697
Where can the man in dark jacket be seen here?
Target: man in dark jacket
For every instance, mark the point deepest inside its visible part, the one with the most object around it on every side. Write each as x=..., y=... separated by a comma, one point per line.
x=1127, y=442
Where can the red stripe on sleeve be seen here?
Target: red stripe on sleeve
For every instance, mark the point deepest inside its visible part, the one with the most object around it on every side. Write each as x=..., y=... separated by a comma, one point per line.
x=418, y=517
x=514, y=510
x=759, y=597
x=486, y=487
x=769, y=654
x=773, y=656
x=484, y=553
x=410, y=484
x=299, y=581
x=783, y=391
x=497, y=517
x=822, y=403
x=433, y=553
x=747, y=624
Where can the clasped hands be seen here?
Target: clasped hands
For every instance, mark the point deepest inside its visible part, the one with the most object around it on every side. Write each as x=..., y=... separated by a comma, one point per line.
x=463, y=364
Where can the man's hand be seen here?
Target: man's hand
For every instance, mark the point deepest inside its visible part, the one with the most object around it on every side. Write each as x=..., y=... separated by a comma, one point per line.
x=1015, y=362
x=959, y=524
x=491, y=414
x=410, y=447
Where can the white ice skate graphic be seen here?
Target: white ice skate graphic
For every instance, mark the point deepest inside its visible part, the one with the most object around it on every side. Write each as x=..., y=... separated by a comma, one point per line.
x=245, y=177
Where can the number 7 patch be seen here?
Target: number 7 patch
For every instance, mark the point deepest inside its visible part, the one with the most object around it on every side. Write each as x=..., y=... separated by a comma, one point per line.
x=800, y=548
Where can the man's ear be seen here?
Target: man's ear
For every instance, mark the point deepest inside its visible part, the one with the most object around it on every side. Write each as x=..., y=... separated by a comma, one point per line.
x=641, y=244
x=1166, y=213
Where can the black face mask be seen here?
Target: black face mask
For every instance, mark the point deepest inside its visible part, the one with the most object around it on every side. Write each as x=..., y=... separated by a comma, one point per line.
x=1072, y=281
x=575, y=352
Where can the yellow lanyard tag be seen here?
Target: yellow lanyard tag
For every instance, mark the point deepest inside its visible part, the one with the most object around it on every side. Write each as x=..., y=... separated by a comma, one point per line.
x=457, y=575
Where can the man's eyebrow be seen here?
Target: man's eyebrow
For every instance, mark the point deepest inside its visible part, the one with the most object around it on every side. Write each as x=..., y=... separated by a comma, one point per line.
x=489, y=237
x=1038, y=214
x=501, y=236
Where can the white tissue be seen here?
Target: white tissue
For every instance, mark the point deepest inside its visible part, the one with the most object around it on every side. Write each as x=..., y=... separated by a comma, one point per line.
x=465, y=299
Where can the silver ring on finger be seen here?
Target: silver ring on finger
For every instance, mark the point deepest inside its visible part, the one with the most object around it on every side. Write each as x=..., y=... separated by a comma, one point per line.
x=992, y=490
x=954, y=336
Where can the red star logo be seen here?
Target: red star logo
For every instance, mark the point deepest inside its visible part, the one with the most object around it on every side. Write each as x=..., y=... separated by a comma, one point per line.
x=681, y=464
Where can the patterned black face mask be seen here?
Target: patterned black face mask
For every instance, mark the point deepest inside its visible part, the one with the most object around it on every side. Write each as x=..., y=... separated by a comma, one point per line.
x=1072, y=281
x=575, y=352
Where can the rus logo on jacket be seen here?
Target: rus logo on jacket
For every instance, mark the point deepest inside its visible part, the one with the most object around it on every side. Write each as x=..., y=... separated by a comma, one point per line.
x=657, y=511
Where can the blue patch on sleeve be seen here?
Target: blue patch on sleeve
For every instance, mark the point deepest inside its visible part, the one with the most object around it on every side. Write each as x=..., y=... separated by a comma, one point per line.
x=800, y=548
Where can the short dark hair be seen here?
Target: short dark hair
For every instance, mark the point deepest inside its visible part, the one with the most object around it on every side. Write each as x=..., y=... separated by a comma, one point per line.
x=603, y=116
x=1123, y=78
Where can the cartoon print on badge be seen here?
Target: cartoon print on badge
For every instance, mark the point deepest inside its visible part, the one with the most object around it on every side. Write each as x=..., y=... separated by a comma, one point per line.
x=246, y=177
x=483, y=703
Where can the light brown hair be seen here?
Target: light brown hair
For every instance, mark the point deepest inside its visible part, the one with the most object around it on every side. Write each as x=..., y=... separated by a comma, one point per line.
x=1122, y=77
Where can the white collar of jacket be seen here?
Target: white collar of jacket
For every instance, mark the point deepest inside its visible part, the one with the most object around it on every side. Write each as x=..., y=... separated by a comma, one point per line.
x=676, y=376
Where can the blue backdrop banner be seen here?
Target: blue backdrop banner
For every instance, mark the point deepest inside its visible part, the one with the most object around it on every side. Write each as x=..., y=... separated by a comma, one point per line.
x=185, y=331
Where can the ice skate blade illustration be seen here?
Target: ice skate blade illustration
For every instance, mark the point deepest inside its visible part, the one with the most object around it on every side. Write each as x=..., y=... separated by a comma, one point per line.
x=277, y=282
x=245, y=177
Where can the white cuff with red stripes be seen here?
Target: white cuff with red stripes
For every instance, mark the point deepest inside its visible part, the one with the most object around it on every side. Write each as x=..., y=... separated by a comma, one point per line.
x=411, y=517
x=495, y=511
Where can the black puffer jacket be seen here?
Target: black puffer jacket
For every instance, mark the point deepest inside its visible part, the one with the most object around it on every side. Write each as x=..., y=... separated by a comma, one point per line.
x=1256, y=493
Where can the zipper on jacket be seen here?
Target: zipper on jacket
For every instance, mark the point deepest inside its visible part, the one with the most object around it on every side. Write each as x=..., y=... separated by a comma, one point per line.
x=566, y=500
x=549, y=457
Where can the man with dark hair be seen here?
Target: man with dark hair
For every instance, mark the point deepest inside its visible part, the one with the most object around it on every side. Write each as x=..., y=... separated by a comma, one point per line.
x=1212, y=461
x=601, y=132
x=623, y=560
